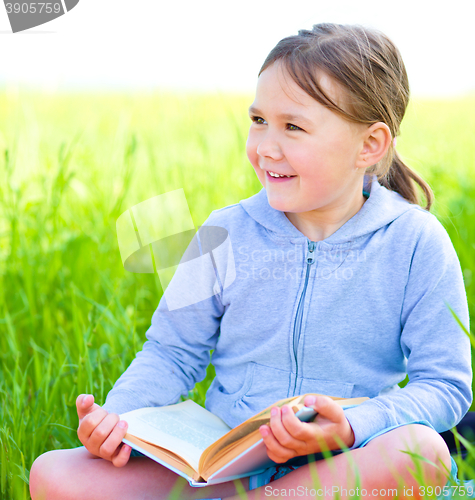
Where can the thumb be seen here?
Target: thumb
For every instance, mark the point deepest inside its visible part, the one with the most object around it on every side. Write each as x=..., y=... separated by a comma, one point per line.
x=325, y=407
x=85, y=405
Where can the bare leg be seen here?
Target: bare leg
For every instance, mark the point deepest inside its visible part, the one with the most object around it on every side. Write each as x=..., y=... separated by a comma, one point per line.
x=77, y=474
x=380, y=463
x=71, y=474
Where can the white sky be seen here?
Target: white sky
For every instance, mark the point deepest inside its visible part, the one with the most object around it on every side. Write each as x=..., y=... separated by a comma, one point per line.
x=211, y=45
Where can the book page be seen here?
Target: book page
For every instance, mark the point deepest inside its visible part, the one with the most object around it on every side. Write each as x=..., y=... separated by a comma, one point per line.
x=185, y=428
x=244, y=429
x=247, y=433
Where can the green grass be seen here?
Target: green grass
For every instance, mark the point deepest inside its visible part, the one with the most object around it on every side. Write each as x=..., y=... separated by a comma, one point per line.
x=71, y=317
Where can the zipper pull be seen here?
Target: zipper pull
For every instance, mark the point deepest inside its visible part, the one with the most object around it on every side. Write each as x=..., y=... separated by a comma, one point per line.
x=310, y=255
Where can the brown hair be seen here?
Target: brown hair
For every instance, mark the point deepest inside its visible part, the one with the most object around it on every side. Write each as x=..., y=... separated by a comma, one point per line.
x=369, y=68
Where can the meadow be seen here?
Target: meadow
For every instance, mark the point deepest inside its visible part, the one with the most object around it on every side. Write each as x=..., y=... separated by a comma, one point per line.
x=71, y=317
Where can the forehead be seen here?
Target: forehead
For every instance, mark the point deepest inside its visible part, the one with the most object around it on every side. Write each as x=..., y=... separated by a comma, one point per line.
x=276, y=84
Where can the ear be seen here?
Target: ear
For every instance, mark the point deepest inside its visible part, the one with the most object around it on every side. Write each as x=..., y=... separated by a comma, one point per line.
x=376, y=141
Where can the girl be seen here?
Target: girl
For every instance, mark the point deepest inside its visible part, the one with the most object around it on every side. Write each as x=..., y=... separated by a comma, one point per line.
x=337, y=283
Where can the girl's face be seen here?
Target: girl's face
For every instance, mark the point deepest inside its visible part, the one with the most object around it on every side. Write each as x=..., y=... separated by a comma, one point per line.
x=292, y=134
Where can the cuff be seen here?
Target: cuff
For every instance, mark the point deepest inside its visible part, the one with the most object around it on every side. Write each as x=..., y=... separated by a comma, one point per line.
x=366, y=419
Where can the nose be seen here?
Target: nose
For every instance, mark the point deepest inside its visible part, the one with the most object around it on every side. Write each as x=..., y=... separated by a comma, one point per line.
x=269, y=147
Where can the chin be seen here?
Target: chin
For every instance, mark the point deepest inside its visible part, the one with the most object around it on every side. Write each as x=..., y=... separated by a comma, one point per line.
x=279, y=203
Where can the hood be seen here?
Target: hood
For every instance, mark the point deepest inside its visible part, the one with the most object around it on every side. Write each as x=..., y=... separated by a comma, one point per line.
x=380, y=209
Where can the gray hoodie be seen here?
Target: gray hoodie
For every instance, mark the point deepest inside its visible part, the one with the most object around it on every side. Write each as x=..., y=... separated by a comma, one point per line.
x=347, y=316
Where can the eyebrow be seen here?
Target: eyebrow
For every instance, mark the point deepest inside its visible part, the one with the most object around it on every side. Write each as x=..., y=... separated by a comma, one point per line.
x=284, y=116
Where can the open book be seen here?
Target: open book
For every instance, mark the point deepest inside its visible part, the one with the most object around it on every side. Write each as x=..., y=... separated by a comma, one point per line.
x=199, y=446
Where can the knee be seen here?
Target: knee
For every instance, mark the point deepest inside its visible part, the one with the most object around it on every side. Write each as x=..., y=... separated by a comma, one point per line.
x=435, y=449
x=45, y=476
x=426, y=452
x=39, y=473
x=428, y=442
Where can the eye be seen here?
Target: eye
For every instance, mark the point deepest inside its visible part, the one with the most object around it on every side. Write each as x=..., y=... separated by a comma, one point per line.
x=255, y=119
x=296, y=128
x=261, y=121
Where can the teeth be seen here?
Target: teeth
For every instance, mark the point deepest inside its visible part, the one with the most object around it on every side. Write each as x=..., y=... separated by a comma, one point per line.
x=278, y=175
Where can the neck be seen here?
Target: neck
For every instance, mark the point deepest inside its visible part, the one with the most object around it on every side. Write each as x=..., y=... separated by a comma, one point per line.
x=319, y=224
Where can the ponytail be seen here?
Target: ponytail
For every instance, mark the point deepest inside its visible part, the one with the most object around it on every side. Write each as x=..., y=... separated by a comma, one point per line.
x=401, y=178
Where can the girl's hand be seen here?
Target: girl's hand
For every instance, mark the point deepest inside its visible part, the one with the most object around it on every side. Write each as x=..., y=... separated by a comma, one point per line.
x=102, y=432
x=287, y=437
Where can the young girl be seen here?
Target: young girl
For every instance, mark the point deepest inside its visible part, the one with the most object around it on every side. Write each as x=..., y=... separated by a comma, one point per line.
x=337, y=283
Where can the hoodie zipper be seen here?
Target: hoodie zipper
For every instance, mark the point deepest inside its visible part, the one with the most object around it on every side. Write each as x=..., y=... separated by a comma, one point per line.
x=310, y=259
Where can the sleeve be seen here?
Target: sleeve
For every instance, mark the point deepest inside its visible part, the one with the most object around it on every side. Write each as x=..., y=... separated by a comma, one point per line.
x=437, y=350
x=184, y=328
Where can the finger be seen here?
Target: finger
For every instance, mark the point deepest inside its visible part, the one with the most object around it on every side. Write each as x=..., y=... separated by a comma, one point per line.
x=275, y=450
x=298, y=430
x=281, y=433
x=102, y=431
x=328, y=422
x=109, y=447
x=90, y=422
x=85, y=405
x=327, y=408
x=122, y=456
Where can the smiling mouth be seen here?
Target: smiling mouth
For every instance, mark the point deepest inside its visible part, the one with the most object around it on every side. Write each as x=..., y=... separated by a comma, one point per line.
x=277, y=176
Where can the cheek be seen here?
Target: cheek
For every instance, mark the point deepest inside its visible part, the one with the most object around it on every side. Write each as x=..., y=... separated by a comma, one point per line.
x=318, y=162
x=306, y=162
x=339, y=147
x=251, y=149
